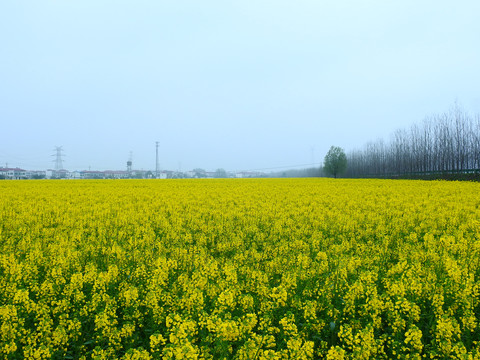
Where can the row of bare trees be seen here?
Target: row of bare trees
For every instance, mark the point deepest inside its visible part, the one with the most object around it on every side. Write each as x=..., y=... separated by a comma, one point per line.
x=444, y=143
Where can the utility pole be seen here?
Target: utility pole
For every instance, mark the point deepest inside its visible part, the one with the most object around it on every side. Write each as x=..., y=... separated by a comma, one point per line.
x=156, y=162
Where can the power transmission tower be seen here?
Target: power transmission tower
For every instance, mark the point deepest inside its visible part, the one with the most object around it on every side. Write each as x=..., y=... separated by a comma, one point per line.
x=58, y=158
x=156, y=159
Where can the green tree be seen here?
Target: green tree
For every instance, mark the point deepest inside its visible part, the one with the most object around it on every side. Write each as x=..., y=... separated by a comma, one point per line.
x=220, y=173
x=335, y=161
x=200, y=173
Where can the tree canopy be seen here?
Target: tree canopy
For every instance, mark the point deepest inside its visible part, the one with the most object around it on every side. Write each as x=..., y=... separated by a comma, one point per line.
x=220, y=173
x=335, y=161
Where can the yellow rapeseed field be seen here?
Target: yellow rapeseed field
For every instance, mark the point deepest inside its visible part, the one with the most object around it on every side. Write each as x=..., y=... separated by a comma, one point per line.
x=239, y=269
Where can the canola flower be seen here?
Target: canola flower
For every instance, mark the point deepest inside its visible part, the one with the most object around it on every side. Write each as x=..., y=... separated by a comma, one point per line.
x=239, y=269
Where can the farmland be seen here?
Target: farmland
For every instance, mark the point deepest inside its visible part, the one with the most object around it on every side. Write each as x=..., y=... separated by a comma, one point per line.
x=239, y=269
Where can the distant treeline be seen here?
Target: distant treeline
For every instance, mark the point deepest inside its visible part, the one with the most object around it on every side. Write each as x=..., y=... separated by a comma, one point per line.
x=300, y=173
x=444, y=146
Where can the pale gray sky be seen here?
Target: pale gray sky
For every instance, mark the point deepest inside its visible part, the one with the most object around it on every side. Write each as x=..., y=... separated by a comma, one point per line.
x=232, y=84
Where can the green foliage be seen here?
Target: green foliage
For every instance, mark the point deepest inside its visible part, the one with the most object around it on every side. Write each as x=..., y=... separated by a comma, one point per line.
x=335, y=161
x=220, y=173
x=200, y=173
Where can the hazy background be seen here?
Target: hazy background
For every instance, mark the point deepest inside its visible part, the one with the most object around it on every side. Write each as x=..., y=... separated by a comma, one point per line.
x=234, y=84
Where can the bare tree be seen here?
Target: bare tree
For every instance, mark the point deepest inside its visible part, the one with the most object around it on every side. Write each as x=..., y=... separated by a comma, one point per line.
x=449, y=142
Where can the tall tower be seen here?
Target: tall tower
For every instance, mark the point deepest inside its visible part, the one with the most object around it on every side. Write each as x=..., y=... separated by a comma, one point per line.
x=129, y=163
x=58, y=158
x=156, y=160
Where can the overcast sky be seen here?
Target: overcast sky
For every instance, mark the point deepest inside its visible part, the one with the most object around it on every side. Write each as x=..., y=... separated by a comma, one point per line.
x=238, y=85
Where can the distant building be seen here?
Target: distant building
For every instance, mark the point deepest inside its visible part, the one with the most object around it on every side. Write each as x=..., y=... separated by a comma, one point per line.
x=116, y=174
x=249, y=174
x=57, y=174
x=17, y=174
x=165, y=174
x=92, y=174
x=76, y=174
x=13, y=173
x=36, y=174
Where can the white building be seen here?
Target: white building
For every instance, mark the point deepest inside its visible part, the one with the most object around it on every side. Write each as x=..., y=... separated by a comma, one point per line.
x=249, y=174
x=13, y=173
x=57, y=174
x=115, y=174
